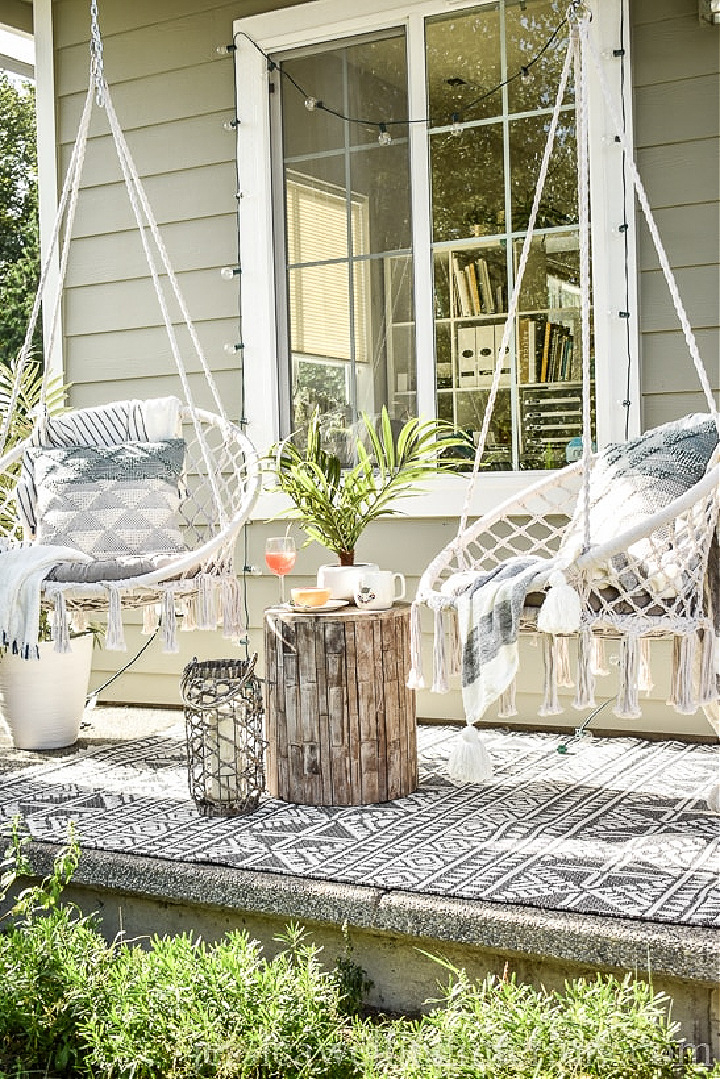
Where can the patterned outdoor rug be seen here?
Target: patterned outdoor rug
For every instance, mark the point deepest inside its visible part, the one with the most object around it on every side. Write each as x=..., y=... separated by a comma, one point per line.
x=614, y=827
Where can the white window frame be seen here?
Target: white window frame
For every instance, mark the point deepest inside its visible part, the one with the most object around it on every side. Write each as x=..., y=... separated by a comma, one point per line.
x=329, y=20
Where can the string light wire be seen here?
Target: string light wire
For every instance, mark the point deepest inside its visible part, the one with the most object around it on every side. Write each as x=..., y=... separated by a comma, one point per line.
x=625, y=226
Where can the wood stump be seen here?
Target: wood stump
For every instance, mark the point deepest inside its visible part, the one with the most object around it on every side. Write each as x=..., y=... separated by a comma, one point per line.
x=341, y=722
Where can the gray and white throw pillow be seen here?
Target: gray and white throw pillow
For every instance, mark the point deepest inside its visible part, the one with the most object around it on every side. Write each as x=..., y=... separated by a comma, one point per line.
x=110, y=501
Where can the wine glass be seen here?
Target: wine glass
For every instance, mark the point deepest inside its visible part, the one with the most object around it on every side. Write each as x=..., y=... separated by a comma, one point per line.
x=280, y=557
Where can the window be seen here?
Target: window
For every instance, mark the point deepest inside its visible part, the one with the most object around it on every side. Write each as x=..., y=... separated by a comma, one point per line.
x=394, y=259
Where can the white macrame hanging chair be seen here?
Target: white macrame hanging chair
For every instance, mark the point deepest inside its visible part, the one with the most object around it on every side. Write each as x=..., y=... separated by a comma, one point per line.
x=221, y=476
x=600, y=602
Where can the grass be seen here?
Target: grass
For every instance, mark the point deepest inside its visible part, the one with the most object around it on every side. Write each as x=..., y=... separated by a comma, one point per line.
x=72, y=1005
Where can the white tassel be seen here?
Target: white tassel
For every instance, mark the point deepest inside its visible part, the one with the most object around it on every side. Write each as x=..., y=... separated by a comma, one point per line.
x=206, y=605
x=114, y=635
x=713, y=798
x=562, y=662
x=560, y=612
x=78, y=620
x=708, y=691
x=506, y=703
x=169, y=623
x=585, y=692
x=645, y=678
x=599, y=659
x=440, y=680
x=61, y=630
x=150, y=619
x=231, y=608
x=550, y=705
x=627, y=706
x=682, y=697
x=468, y=761
x=187, y=610
x=415, y=677
x=455, y=646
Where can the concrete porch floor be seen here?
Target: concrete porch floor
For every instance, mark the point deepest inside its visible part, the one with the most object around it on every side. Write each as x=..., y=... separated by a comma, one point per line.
x=394, y=931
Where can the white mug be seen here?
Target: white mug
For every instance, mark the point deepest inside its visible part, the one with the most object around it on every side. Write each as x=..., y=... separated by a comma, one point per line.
x=376, y=590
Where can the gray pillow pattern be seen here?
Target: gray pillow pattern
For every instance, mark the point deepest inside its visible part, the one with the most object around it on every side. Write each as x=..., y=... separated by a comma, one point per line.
x=111, y=501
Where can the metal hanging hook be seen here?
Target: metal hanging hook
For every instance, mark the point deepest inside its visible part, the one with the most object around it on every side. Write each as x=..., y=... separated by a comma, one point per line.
x=96, y=55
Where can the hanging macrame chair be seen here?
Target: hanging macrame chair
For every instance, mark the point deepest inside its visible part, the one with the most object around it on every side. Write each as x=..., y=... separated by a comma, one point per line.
x=536, y=555
x=219, y=474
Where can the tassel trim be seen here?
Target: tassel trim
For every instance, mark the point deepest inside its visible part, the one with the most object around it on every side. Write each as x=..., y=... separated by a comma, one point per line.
x=708, y=690
x=440, y=677
x=150, y=619
x=115, y=634
x=562, y=662
x=78, y=620
x=506, y=702
x=682, y=697
x=206, y=602
x=627, y=706
x=455, y=645
x=560, y=612
x=415, y=677
x=585, y=692
x=468, y=761
x=550, y=705
x=599, y=660
x=169, y=623
x=61, y=629
x=645, y=678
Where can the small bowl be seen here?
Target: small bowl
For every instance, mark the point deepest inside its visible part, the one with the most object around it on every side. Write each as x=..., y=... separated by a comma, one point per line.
x=310, y=597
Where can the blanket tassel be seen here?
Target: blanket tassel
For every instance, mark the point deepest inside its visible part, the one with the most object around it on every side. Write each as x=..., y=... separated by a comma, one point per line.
x=114, y=635
x=682, y=696
x=550, y=705
x=440, y=678
x=169, y=623
x=585, y=692
x=468, y=761
x=506, y=703
x=627, y=706
x=708, y=690
x=560, y=612
x=415, y=677
x=61, y=630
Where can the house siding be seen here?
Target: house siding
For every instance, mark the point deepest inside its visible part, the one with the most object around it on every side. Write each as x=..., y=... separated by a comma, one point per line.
x=173, y=93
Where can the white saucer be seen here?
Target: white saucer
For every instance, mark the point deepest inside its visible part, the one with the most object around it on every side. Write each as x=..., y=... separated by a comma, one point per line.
x=331, y=605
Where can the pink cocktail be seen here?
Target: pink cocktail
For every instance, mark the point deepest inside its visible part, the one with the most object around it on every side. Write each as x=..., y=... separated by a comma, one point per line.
x=280, y=558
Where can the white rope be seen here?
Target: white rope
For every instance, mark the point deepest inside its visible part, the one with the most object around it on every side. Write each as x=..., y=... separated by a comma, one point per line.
x=34, y=314
x=515, y=298
x=583, y=172
x=644, y=203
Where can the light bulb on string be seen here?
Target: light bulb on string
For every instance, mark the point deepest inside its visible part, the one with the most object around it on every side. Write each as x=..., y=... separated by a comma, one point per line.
x=525, y=74
x=456, y=128
x=311, y=103
x=384, y=138
x=228, y=272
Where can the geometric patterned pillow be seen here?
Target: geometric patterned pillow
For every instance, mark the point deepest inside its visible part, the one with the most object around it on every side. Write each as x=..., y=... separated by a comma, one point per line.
x=110, y=501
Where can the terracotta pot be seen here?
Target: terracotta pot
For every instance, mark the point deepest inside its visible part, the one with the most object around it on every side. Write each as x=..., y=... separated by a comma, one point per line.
x=343, y=580
x=43, y=700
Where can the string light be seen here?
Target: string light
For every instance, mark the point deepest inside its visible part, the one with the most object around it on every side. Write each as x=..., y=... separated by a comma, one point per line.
x=313, y=104
x=231, y=125
x=456, y=126
x=233, y=347
x=228, y=272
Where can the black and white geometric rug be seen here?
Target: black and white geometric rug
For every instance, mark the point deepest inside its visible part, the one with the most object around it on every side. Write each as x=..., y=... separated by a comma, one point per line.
x=614, y=827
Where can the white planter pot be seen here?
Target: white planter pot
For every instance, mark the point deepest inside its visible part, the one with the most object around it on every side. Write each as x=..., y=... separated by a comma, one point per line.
x=343, y=580
x=43, y=700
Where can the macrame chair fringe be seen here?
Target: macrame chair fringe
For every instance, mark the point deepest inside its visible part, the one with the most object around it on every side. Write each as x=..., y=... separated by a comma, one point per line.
x=231, y=609
x=415, y=677
x=169, y=623
x=599, y=658
x=587, y=656
x=78, y=620
x=114, y=635
x=506, y=702
x=61, y=628
x=550, y=705
x=645, y=678
x=440, y=674
x=562, y=663
x=206, y=602
x=682, y=695
x=455, y=646
x=187, y=613
x=627, y=706
x=149, y=619
x=708, y=687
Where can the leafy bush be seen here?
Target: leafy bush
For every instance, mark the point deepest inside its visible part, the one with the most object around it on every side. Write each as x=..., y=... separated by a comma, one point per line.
x=73, y=1005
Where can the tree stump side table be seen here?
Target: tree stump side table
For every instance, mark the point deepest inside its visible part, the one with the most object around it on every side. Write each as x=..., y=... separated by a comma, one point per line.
x=341, y=721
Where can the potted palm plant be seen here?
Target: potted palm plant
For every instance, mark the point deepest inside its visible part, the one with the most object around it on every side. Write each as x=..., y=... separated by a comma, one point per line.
x=41, y=700
x=334, y=506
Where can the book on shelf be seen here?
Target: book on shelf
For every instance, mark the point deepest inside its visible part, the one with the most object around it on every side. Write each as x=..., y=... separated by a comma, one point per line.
x=462, y=292
x=473, y=288
x=545, y=357
x=488, y=300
